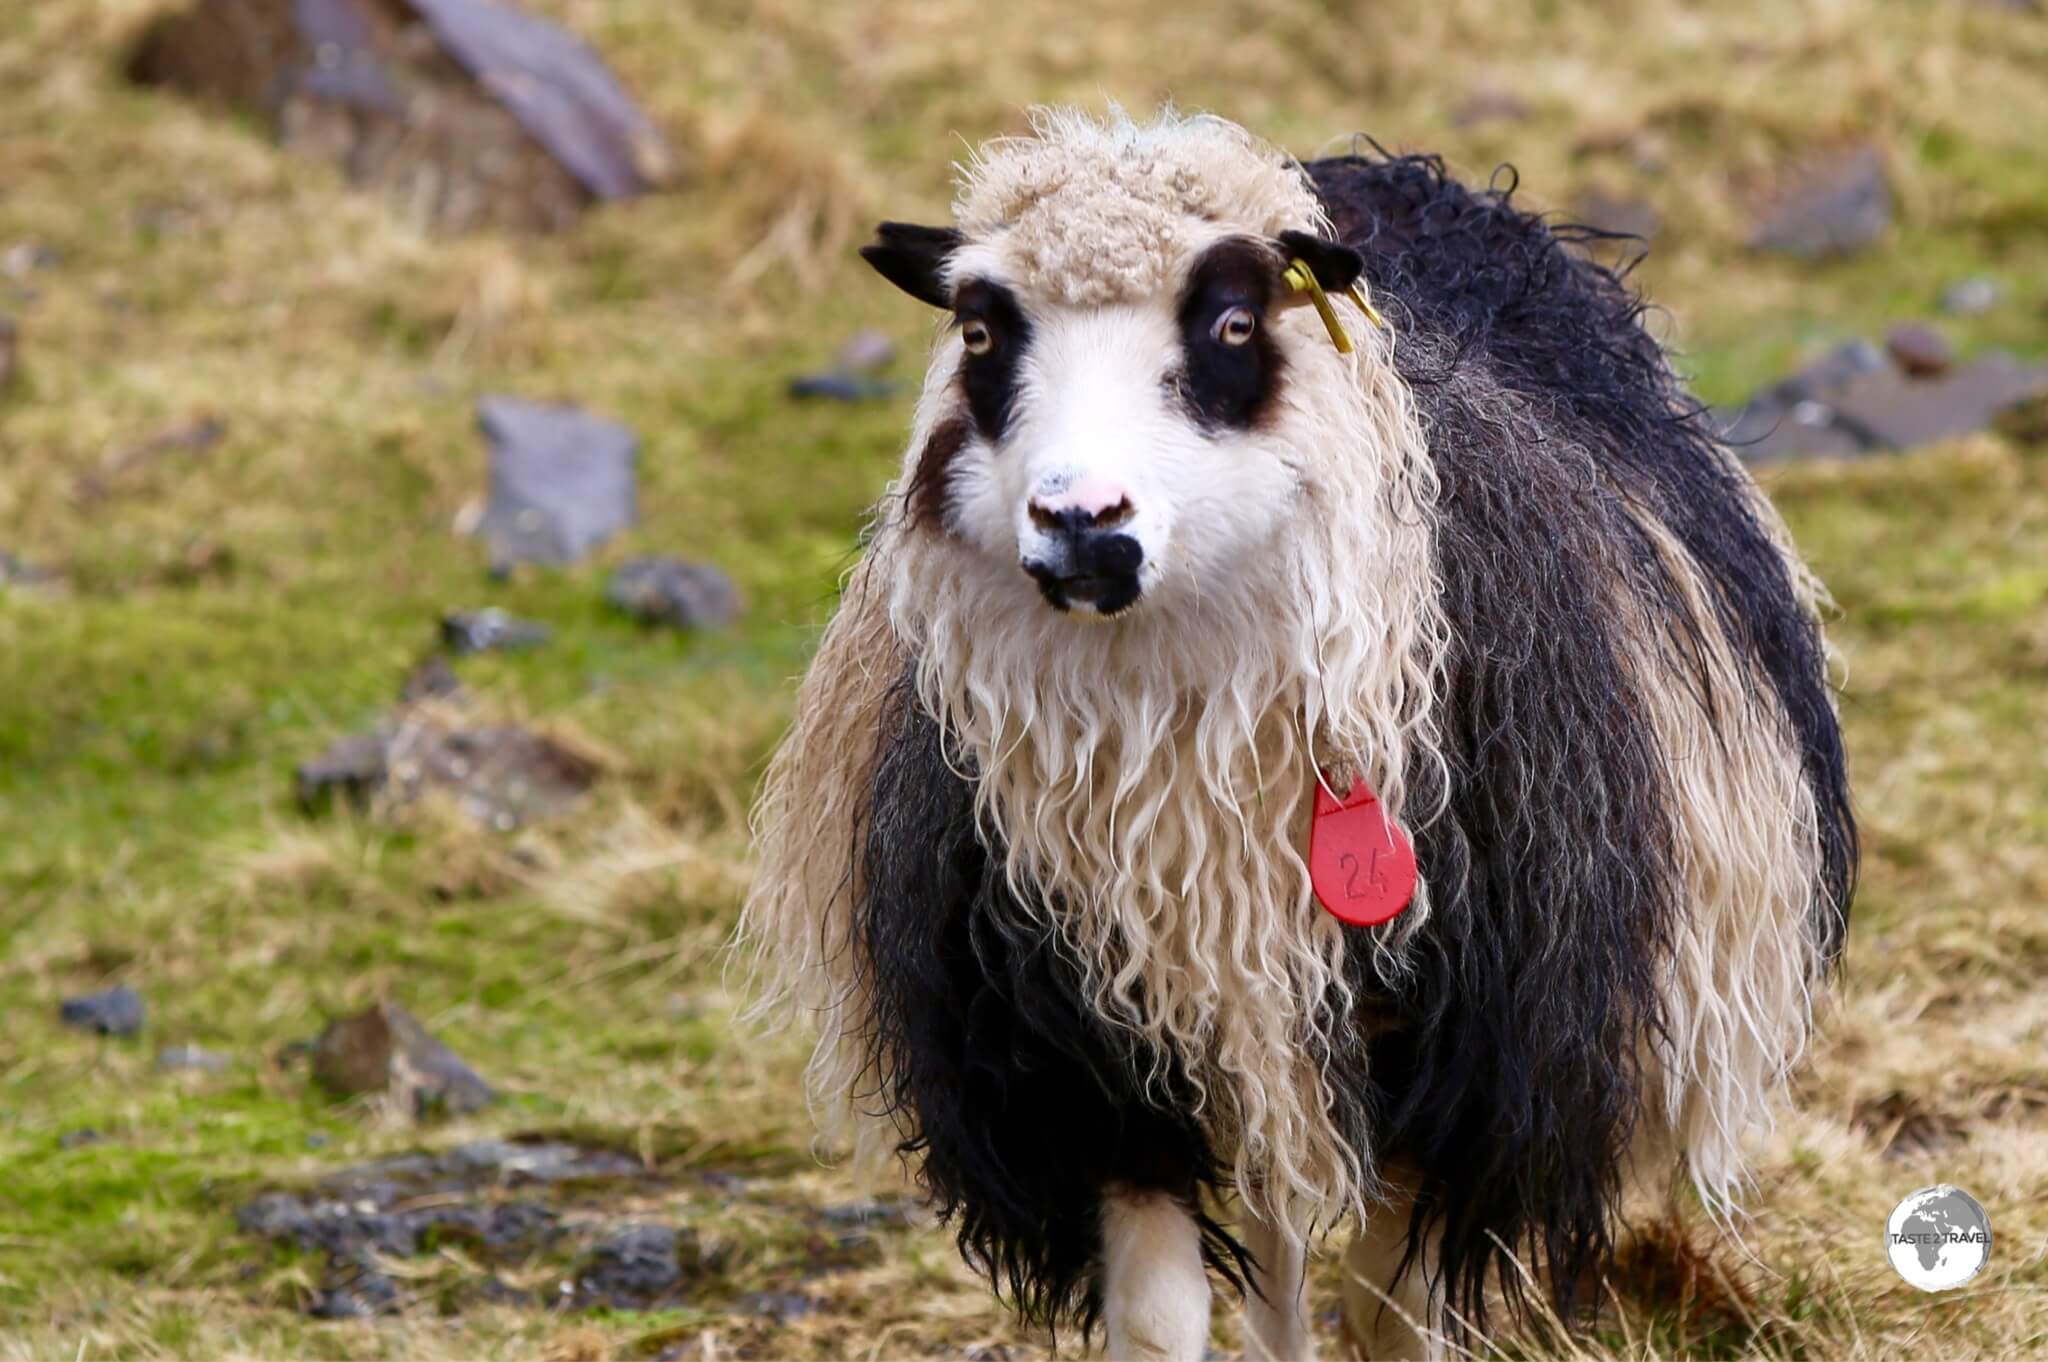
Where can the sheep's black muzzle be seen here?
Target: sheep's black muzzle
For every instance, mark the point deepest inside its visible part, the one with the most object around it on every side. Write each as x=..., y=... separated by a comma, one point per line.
x=1092, y=567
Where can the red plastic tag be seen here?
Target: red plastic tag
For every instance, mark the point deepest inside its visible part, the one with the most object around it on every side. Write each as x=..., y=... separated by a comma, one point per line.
x=1360, y=863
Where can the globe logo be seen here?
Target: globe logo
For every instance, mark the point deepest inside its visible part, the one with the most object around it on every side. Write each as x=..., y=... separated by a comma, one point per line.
x=1938, y=1238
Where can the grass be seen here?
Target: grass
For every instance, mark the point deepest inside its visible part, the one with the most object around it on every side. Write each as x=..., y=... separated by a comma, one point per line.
x=224, y=612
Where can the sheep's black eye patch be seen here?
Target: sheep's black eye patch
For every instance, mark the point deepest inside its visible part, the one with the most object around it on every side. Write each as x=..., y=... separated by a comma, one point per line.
x=1001, y=332
x=1227, y=386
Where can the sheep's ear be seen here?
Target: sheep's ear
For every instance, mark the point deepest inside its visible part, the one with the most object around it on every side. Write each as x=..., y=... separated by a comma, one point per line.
x=913, y=258
x=1335, y=265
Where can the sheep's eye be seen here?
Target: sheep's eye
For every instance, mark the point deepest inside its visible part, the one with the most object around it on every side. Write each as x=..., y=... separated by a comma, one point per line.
x=1235, y=327
x=976, y=336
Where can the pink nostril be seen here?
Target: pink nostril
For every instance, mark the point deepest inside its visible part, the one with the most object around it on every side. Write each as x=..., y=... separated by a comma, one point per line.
x=1095, y=503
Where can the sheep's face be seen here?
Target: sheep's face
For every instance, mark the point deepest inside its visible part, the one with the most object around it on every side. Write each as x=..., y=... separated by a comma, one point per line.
x=1103, y=454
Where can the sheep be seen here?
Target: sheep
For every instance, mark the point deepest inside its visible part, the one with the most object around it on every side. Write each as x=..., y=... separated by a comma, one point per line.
x=1173, y=555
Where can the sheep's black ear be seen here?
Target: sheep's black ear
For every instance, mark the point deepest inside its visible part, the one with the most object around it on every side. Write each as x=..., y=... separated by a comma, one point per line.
x=1335, y=265
x=913, y=258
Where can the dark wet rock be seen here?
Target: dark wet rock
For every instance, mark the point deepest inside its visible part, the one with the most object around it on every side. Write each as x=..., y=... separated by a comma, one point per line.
x=502, y=775
x=1489, y=106
x=114, y=1012
x=562, y=480
x=192, y=1058
x=637, y=1267
x=779, y=1306
x=1969, y=297
x=10, y=352
x=866, y=351
x=471, y=113
x=839, y=387
x=674, y=592
x=79, y=1138
x=480, y=631
x=1919, y=349
x=1832, y=206
x=385, y=1050
x=431, y=679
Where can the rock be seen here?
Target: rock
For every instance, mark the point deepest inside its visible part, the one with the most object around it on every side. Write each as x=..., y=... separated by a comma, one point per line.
x=839, y=387
x=431, y=679
x=365, y=1294
x=1972, y=296
x=10, y=352
x=79, y=1138
x=1889, y=411
x=478, y=631
x=17, y=574
x=674, y=592
x=891, y=1212
x=469, y=112
x=779, y=1306
x=866, y=351
x=1489, y=106
x=562, y=480
x=192, y=1057
x=1621, y=214
x=115, y=1012
x=636, y=1267
x=1919, y=349
x=353, y=767
x=385, y=1049
x=1835, y=206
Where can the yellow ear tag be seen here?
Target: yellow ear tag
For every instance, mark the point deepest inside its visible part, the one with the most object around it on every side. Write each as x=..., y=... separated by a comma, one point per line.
x=1372, y=314
x=1299, y=278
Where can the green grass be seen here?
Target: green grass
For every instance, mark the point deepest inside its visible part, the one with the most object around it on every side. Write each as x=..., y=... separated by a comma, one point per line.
x=224, y=614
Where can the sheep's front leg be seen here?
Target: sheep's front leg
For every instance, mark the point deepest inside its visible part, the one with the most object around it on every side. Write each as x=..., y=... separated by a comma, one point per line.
x=1155, y=1291
x=1392, y=1316
x=1276, y=1309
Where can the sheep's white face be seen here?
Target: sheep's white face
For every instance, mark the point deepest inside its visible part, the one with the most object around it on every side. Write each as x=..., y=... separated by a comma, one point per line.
x=1110, y=455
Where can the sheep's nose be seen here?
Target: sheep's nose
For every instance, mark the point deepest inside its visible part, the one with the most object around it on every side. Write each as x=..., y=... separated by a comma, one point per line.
x=1081, y=506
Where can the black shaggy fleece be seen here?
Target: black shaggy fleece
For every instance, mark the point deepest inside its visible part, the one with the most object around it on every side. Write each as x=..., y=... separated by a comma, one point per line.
x=1023, y=1103
x=1512, y=1083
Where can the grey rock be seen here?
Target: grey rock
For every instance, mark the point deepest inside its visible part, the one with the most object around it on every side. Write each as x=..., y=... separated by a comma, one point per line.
x=79, y=1138
x=1819, y=379
x=479, y=631
x=1890, y=411
x=865, y=351
x=560, y=91
x=1834, y=208
x=1972, y=296
x=385, y=1049
x=353, y=766
x=636, y=1267
x=114, y=1012
x=838, y=387
x=674, y=592
x=430, y=679
x=779, y=1306
x=366, y=1294
x=502, y=775
x=891, y=1212
x=193, y=1057
x=562, y=480
x=1919, y=349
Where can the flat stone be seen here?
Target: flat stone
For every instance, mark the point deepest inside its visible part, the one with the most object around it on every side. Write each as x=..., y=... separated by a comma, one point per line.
x=1888, y=410
x=562, y=480
x=560, y=91
x=489, y=629
x=385, y=1049
x=192, y=1057
x=1969, y=297
x=1833, y=207
x=674, y=592
x=114, y=1012
x=1919, y=349
x=1766, y=429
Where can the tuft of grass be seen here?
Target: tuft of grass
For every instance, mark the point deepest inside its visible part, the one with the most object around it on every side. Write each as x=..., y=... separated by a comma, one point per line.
x=227, y=606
